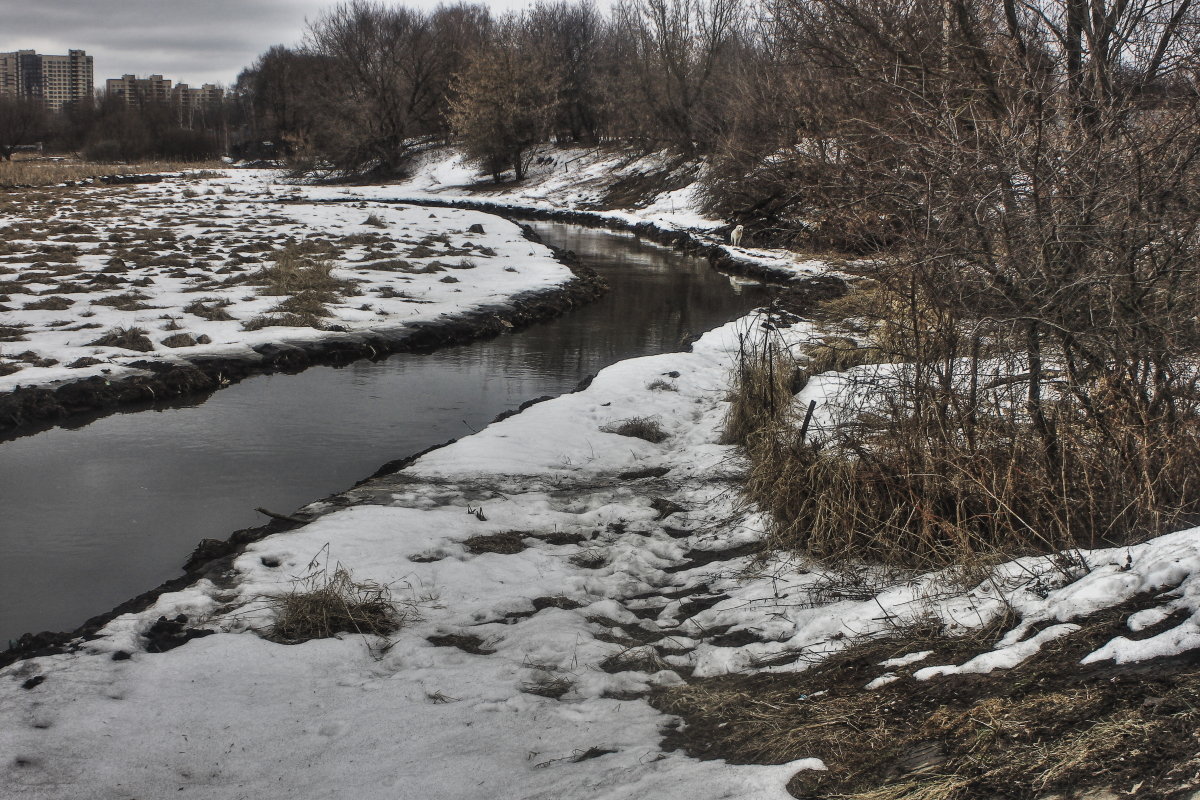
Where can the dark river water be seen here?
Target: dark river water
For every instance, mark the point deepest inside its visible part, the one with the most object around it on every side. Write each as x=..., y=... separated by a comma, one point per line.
x=93, y=516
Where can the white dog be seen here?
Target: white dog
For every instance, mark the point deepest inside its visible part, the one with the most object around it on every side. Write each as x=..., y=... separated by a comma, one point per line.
x=735, y=236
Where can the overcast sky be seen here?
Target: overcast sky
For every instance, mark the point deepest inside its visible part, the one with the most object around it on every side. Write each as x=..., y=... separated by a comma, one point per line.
x=188, y=41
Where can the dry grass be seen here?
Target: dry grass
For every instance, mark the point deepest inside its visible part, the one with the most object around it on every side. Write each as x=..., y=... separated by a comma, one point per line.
x=293, y=271
x=281, y=321
x=927, y=463
x=126, y=338
x=548, y=681
x=31, y=173
x=306, y=303
x=763, y=386
x=1045, y=727
x=323, y=604
x=646, y=428
x=210, y=308
x=505, y=543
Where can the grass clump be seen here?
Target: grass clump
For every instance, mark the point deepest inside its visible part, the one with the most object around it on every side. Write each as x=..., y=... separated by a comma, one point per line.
x=323, y=604
x=548, y=681
x=54, y=303
x=132, y=338
x=281, y=320
x=307, y=303
x=505, y=543
x=762, y=391
x=293, y=271
x=210, y=308
x=646, y=428
x=126, y=301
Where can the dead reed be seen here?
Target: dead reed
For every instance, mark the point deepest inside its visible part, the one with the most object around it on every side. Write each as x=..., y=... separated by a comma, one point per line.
x=937, y=460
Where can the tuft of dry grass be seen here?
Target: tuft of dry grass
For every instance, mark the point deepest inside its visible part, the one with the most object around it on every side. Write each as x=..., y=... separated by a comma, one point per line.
x=210, y=308
x=646, y=428
x=53, y=303
x=323, y=604
x=505, y=543
x=306, y=303
x=282, y=321
x=293, y=271
x=132, y=338
x=548, y=681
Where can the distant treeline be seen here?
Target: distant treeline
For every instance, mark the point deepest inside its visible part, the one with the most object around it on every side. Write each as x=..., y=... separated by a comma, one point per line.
x=374, y=81
x=111, y=130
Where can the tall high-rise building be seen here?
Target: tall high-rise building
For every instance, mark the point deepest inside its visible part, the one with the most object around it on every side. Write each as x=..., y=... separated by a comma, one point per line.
x=54, y=80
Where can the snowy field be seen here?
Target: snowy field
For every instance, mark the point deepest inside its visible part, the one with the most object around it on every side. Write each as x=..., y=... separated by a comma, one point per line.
x=94, y=279
x=552, y=574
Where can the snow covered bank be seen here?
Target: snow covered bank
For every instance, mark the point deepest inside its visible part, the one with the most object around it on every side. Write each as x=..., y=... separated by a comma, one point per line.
x=556, y=574
x=112, y=282
x=592, y=186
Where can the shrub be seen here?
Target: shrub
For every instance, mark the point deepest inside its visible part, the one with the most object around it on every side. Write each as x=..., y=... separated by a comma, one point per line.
x=938, y=460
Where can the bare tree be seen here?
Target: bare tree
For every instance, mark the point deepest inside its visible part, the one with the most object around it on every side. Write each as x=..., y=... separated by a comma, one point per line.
x=1033, y=168
x=388, y=69
x=506, y=101
x=569, y=36
x=680, y=50
x=22, y=121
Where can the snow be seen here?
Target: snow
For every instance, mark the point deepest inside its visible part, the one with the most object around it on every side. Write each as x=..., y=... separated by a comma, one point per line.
x=225, y=227
x=236, y=715
x=904, y=661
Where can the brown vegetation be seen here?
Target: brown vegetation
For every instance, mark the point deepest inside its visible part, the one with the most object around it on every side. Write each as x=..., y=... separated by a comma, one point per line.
x=646, y=428
x=322, y=604
x=1046, y=726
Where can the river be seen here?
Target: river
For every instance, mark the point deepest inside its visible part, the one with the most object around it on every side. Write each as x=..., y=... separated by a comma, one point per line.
x=94, y=515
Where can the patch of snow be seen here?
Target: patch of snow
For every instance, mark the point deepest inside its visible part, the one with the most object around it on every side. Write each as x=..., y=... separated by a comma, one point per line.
x=904, y=661
x=882, y=680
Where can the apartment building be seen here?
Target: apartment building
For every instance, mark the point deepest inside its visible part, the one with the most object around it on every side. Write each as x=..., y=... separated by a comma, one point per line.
x=137, y=92
x=187, y=101
x=55, y=80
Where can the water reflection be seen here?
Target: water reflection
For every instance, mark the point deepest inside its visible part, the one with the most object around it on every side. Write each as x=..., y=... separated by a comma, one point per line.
x=95, y=515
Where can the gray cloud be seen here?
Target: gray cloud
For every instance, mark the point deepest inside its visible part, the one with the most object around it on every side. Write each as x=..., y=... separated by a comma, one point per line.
x=192, y=41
